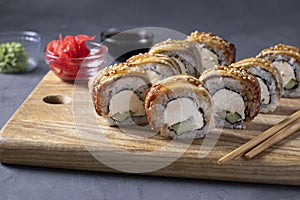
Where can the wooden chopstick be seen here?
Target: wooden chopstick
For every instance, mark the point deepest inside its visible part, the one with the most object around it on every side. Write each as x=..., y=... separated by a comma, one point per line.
x=259, y=139
x=280, y=135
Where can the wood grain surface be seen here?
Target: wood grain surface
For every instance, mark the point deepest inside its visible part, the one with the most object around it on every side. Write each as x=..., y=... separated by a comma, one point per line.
x=68, y=135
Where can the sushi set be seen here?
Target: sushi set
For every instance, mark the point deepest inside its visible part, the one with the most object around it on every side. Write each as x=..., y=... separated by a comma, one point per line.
x=197, y=76
x=183, y=90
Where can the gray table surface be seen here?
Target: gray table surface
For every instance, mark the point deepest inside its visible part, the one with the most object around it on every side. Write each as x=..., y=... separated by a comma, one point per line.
x=250, y=25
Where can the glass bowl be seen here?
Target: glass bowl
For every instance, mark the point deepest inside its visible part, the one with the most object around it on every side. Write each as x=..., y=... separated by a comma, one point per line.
x=71, y=69
x=31, y=42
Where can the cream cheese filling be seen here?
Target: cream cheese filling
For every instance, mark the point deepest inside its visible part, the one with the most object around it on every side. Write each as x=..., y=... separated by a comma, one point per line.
x=264, y=92
x=230, y=101
x=208, y=59
x=154, y=77
x=182, y=109
x=286, y=71
x=126, y=101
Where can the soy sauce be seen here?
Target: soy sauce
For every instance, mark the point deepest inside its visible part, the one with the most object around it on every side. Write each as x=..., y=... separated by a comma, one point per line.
x=123, y=45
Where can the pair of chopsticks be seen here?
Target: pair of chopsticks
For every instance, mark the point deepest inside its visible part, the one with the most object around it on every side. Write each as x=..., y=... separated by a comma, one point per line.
x=265, y=140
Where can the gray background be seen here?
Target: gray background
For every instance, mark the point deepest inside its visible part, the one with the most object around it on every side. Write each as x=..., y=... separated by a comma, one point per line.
x=250, y=25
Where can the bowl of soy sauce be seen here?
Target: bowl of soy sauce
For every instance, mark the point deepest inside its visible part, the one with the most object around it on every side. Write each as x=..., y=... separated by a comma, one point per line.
x=124, y=44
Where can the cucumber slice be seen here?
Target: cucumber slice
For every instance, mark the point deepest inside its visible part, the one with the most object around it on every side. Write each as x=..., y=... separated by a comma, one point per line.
x=291, y=84
x=184, y=126
x=233, y=118
x=222, y=114
x=230, y=117
x=122, y=116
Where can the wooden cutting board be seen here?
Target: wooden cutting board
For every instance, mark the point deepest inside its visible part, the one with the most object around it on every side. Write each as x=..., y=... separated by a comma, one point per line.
x=61, y=136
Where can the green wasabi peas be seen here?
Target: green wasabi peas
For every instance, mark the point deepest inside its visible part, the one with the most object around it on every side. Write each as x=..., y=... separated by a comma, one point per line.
x=13, y=57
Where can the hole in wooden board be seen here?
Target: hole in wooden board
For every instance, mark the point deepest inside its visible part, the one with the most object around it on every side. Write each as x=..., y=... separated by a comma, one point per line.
x=57, y=99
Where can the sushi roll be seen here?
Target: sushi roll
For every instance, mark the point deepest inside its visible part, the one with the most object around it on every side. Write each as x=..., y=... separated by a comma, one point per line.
x=285, y=48
x=286, y=59
x=179, y=107
x=118, y=95
x=213, y=49
x=184, y=51
x=158, y=67
x=269, y=81
x=235, y=94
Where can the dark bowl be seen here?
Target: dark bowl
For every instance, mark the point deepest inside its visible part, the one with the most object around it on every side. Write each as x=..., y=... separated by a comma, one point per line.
x=124, y=44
